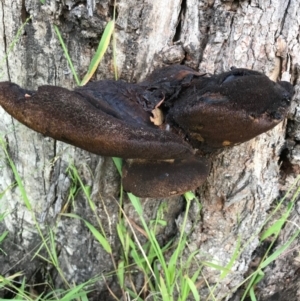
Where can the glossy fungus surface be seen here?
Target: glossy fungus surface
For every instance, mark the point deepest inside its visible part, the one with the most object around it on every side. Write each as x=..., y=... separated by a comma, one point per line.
x=158, y=125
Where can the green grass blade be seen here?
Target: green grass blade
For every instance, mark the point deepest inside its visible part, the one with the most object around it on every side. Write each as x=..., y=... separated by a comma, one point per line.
x=115, y=55
x=174, y=259
x=74, y=293
x=13, y=43
x=3, y=235
x=104, y=42
x=85, y=188
x=232, y=259
x=67, y=54
x=136, y=204
x=252, y=294
x=193, y=288
x=164, y=291
x=189, y=196
x=121, y=273
x=121, y=234
x=102, y=240
x=53, y=252
x=273, y=230
x=215, y=266
x=134, y=295
x=114, y=43
x=257, y=278
x=118, y=163
x=17, y=177
x=279, y=251
x=277, y=226
x=84, y=298
x=260, y=275
x=7, y=189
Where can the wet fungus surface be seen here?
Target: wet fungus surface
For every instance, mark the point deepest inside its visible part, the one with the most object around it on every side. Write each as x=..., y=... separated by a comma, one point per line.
x=165, y=127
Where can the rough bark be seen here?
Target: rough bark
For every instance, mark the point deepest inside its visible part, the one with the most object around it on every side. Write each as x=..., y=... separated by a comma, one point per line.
x=210, y=36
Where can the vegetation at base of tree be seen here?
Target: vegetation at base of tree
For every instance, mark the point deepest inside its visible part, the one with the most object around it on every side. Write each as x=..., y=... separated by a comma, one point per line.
x=166, y=275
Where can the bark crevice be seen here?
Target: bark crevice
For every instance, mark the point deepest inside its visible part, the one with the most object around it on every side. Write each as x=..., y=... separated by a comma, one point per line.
x=181, y=17
x=5, y=40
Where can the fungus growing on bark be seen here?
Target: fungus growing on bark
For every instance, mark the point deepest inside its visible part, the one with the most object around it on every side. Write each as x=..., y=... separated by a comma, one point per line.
x=113, y=118
x=164, y=178
x=230, y=108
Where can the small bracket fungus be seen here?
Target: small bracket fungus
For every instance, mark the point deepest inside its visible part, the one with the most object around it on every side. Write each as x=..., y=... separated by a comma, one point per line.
x=198, y=115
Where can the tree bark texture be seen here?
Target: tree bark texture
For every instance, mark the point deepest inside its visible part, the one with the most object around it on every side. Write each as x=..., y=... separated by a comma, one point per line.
x=208, y=35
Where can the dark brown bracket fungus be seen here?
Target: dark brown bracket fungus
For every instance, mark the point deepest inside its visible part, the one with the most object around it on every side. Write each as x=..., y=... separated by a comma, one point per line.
x=164, y=127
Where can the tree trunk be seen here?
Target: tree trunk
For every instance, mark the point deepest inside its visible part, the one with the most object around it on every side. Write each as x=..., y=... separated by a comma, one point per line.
x=209, y=36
